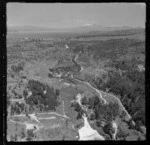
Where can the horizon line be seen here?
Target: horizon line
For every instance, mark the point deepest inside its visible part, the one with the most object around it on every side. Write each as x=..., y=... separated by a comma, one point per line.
x=72, y=27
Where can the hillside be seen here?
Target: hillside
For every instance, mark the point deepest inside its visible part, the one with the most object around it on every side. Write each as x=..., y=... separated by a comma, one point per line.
x=81, y=29
x=88, y=86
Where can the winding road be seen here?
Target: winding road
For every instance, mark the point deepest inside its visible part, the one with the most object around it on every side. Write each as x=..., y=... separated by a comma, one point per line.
x=98, y=91
x=34, y=117
x=114, y=124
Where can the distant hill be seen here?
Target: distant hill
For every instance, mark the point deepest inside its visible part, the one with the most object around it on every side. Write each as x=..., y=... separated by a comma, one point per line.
x=28, y=29
x=116, y=32
x=82, y=29
x=99, y=28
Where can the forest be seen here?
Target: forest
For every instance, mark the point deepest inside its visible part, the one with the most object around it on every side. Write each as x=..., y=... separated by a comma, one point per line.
x=125, y=80
x=130, y=87
x=43, y=101
x=17, y=108
x=101, y=112
x=111, y=49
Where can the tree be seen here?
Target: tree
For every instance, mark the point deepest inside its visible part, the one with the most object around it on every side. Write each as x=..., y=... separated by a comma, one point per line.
x=30, y=133
x=107, y=128
x=77, y=107
x=92, y=116
x=90, y=103
x=96, y=100
x=84, y=101
x=49, y=99
x=22, y=133
x=57, y=92
x=98, y=123
x=114, y=109
x=79, y=116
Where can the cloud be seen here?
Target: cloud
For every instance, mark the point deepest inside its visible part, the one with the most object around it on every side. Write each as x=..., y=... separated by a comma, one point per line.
x=72, y=20
x=88, y=24
x=81, y=22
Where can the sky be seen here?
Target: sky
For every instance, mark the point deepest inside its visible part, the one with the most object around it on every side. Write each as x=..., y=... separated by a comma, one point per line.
x=65, y=15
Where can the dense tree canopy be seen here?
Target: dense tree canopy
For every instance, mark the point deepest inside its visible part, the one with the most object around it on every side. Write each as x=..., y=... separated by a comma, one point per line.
x=48, y=100
x=131, y=89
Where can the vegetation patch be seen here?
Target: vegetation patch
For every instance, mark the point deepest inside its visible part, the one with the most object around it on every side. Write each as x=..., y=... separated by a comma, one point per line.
x=43, y=97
